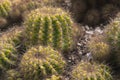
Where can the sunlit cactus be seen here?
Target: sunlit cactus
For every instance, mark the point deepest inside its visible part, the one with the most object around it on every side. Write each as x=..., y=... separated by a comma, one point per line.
x=49, y=26
x=40, y=62
x=7, y=56
x=5, y=7
x=88, y=71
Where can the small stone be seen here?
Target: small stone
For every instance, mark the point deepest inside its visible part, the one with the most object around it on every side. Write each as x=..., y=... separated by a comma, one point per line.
x=79, y=44
x=90, y=32
x=87, y=27
x=98, y=30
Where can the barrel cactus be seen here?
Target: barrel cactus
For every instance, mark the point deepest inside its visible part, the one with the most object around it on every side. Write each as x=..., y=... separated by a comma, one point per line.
x=88, y=71
x=8, y=55
x=5, y=7
x=100, y=51
x=40, y=62
x=49, y=26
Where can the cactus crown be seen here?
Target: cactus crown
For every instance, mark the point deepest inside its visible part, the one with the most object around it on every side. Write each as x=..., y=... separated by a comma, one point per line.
x=88, y=71
x=49, y=26
x=5, y=7
x=41, y=62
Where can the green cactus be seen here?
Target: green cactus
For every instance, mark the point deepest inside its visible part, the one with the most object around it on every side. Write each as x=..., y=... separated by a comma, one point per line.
x=40, y=62
x=99, y=49
x=49, y=26
x=88, y=71
x=7, y=55
x=5, y=7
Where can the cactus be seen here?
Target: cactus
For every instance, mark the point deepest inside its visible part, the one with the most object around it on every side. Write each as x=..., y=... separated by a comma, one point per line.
x=49, y=26
x=112, y=35
x=40, y=62
x=5, y=7
x=3, y=22
x=109, y=11
x=92, y=17
x=88, y=71
x=99, y=50
x=8, y=43
x=8, y=55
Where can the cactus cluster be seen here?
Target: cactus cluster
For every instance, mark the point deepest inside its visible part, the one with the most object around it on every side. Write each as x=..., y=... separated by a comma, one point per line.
x=88, y=71
x=40, y=62
x=94, y=12
x=5, y=7
x=49, y=26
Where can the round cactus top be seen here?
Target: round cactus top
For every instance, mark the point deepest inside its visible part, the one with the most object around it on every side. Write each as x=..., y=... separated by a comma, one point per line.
x=86, y=70
x=48, y=11
x=41, y=62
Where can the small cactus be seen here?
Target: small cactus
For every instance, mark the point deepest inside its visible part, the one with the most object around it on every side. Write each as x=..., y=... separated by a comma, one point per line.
x=88, y=71
x=49, y=26
x=5, y=7
x=99, y=50
x=40, y=62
